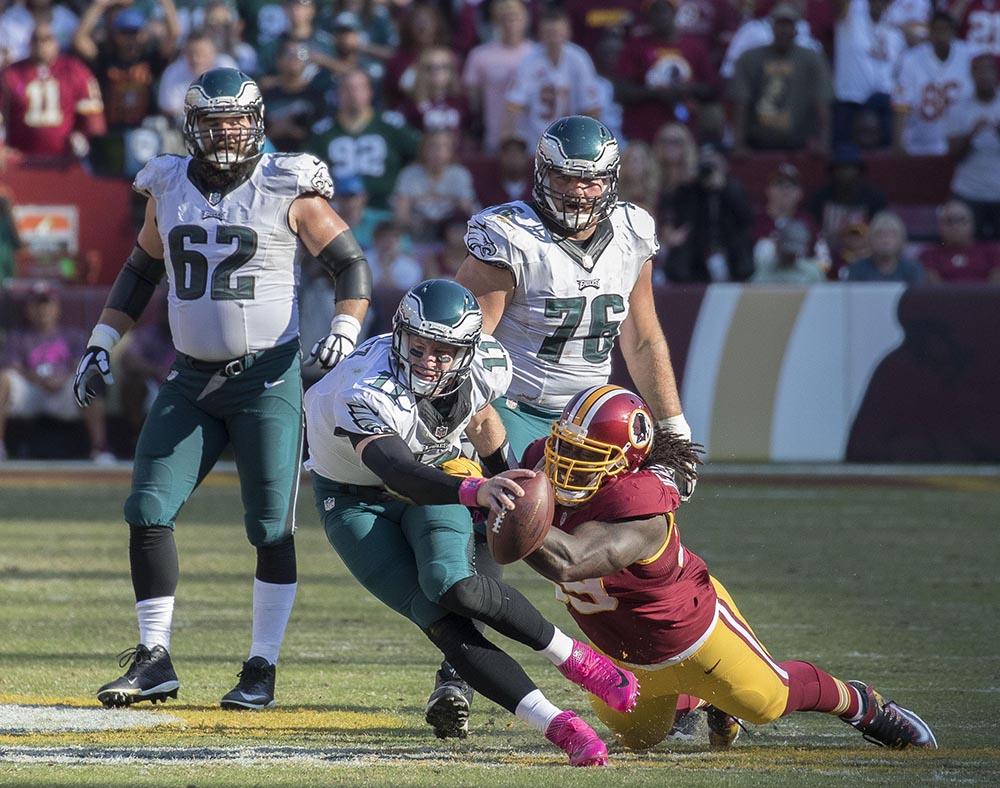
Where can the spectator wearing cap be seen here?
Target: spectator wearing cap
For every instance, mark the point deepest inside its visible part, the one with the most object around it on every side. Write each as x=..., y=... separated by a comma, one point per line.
x=18, y=22
x=72, y=111
x=783, y=204
x=432, y=188
x=959, y=257
x=293, y=96
x=128, y=62
x=200, y=55
x=846, y=199
x=379, y=36
x=491, y=66
x=437, y=102
x=349, y=52
x=932, y=78
x=709, y=221
x=351, y=202
x=662, y=74
x=867, y=48
x=758, y=31
x=887, y=262
x=556, y=79
x=299, y=26
x=781, y=93
x=421, y=28
x=973, y=131
x=789, y=262
x=36, y=372
x=361, y=141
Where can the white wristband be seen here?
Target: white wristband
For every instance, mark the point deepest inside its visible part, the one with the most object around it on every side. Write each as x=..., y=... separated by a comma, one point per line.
x=104, y=336
x=678, y=425
x=347, y=326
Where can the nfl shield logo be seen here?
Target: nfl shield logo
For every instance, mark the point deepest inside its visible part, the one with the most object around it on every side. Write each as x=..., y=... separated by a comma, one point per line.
x=440, y=432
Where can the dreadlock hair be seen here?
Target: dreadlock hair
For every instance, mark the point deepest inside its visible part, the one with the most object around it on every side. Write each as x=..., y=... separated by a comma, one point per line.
x=675, y=452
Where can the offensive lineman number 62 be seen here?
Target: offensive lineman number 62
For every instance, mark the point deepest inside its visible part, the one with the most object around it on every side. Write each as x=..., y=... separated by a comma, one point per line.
x=191, y=266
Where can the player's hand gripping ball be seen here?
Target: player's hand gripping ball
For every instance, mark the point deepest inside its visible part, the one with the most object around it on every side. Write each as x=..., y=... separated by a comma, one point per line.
x=517, y=532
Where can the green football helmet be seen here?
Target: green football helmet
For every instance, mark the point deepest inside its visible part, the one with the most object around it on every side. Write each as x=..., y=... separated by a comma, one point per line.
x=442, y=311
x=224, y=93
x=581, y=147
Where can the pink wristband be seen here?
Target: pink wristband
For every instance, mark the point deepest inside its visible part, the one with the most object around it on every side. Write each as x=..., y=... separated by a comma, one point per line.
x=468, y=490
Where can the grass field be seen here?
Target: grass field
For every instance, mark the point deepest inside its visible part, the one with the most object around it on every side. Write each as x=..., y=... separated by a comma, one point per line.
x=895, y=582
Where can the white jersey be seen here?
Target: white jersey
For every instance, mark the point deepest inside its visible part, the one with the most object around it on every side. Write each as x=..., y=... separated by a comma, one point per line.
x=866, y=54
x=363, y=396
x=231, y=258
x=550, y=90
x=568, y=303
x=927, y=88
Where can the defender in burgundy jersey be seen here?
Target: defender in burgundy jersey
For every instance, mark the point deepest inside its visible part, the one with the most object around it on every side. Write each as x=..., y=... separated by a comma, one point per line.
x=642, y=598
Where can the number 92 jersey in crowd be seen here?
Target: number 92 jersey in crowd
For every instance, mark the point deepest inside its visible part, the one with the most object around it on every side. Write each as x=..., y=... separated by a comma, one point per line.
x=569, y=301
x=231, y=258
x=363, y=396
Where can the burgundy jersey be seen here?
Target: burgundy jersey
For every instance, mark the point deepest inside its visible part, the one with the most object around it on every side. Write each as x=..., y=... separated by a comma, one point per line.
x=450, y=114
x=41, y=104
x=967, y=264
x=655, y=609
x=654, y=63
x=980, y=25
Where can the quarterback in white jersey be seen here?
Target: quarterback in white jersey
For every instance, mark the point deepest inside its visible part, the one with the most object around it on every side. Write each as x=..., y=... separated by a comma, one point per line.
x=933, y=77
x=363, y=396
x=224, y=224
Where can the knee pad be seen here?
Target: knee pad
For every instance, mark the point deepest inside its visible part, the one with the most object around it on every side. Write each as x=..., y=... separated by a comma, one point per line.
x=450, y=632
x=144, y=509
x=276, y=562
x=469, y=597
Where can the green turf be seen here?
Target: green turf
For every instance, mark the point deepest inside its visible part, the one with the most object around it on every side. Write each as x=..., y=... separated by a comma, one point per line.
x=893, y=584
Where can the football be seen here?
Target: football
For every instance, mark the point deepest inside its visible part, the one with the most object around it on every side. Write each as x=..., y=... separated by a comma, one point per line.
x=519, y=531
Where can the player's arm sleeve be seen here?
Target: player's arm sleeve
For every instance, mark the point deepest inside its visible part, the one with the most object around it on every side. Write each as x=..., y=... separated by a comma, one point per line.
x=313, y=176
x=488, y=237
x=155, y=174
x=389, y=458
x=644, y=241
x=135, y=283
x=491, y=375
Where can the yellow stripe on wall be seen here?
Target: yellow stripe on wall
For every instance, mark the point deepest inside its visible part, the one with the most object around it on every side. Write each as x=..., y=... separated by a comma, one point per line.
x=750, y=370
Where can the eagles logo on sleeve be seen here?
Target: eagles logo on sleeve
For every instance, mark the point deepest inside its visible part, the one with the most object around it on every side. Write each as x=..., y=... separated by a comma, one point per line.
x=479, y=244
x=321, y=182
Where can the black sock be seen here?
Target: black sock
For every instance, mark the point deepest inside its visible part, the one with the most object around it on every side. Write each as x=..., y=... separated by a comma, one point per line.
x=276, y=562
x=486, y=668
x=152, y=554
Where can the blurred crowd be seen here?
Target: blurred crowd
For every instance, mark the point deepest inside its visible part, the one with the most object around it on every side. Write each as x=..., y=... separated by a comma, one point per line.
x=405, y=100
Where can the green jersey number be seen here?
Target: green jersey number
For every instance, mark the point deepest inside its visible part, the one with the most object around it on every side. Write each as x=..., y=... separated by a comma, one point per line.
x=191, y=266
x=600, y=337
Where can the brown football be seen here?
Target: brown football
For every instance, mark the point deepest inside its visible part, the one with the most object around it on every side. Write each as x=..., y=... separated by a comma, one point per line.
x=520, y=531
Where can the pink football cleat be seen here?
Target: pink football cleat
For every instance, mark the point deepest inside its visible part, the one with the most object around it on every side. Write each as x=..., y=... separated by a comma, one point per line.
x=577, y=739
x=601, y=677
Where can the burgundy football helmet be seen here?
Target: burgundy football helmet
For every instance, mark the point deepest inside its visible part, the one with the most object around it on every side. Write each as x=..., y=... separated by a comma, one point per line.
x=604, y=431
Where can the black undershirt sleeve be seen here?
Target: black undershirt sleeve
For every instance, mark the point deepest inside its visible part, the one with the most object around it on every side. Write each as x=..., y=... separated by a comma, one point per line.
x=391, y=460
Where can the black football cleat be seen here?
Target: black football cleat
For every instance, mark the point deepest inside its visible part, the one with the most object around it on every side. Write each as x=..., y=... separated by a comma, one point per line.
x=888, y=724
x=723, y=729
x=448, y=707
x=150, y=676
x=255, y=689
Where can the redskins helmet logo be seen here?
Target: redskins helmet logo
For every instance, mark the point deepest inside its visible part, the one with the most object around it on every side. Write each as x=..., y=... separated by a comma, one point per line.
x=640, y=430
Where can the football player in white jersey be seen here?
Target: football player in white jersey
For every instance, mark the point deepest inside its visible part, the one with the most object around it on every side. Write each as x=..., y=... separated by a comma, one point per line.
x=385, y=430
x=559, y=277
x=225, y=224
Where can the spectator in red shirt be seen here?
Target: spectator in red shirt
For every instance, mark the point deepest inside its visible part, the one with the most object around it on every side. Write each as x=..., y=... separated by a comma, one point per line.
x=437, y=102
x=50, y=102
x=959, y=258
x=593, y=19
x=713, y=21
x=513, y=176
x=36, y=373
x=662, y=75
x=423, y=27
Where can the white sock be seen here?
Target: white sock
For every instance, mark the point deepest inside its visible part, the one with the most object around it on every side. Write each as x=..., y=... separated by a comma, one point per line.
x=559, y=648
x=272, y=605
x=155, y=617
x=536, y=710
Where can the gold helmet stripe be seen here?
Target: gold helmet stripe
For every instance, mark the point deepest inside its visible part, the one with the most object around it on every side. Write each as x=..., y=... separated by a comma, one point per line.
x=590, y=402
